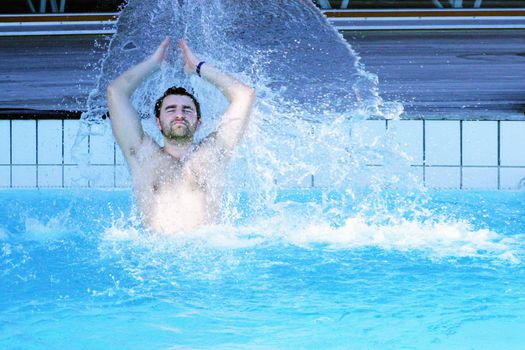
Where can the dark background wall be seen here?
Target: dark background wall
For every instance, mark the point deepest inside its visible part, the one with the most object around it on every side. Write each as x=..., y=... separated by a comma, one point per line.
x=72, y=6
x=76, y=6
x=422, y=4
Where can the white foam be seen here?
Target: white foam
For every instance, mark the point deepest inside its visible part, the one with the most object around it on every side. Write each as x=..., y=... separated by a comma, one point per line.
x=440, y=239
x=53, y=228
x=436, y=239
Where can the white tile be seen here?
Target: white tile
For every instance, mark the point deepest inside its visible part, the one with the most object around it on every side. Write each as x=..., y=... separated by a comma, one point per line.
x=480, y=178
x=512, y=178
x=49, y=142
x=512, y=143
x=71, y=147
x=102, y=146
x=102, y=176
x=442, y=142
x=5, y=176
x=442, y=177
x=412, y=178
x=122, y=176
x=73, y=177
x=368, y=139
x=408, y=136
x=480, y=143
x=369, y=132
x=5, y=142
x=49, y=176
x=24, y=176
x=416, y=176
x=407, y=177
x=120, y=160
x=24, y=141
x=326, y=175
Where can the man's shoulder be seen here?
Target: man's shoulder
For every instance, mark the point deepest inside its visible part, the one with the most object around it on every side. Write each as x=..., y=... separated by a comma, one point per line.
x=208, y=152
x=207, y=143
x=147, y=150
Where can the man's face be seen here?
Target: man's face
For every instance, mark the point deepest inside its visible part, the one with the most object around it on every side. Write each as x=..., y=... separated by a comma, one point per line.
x=178, y=119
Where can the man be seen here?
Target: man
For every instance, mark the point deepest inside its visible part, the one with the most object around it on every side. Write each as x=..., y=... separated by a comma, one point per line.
x=178, y=187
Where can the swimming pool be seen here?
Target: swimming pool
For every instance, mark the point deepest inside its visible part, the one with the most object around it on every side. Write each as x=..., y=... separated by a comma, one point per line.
x=292, y=268
x=78, y=272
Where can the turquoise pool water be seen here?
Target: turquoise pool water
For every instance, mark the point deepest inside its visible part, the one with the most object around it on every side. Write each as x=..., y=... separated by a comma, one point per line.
x=78, y=272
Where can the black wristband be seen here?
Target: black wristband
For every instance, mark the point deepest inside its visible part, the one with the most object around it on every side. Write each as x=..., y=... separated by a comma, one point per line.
x=198, y=69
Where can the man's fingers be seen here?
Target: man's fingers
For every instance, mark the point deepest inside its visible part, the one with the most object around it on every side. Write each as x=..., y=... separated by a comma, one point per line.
x=160, y=52
x=164, y=45
x=166, y=42
x=189, y=57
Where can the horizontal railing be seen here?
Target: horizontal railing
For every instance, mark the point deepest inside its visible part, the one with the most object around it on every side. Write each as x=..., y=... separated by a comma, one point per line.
x=426, y=19
x=431, y=19
x=58, y=24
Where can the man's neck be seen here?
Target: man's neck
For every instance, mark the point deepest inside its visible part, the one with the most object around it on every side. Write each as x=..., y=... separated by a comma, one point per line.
x=177, y=149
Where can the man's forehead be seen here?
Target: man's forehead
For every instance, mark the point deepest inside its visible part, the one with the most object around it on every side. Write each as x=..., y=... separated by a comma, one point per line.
x=178, y=100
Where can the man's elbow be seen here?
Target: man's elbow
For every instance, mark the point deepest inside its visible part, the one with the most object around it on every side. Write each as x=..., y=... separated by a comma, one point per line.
x=115, y=92
x=251, y=92
x=248, y=93
x=111, y=91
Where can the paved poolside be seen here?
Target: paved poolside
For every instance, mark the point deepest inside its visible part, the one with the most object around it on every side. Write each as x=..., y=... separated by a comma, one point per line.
x=436, y=74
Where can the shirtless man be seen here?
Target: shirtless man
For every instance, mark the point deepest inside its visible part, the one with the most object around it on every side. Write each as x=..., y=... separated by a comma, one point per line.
x=178, y=187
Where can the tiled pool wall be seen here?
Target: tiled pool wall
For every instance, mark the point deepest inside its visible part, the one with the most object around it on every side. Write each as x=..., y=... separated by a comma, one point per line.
x=449, y=154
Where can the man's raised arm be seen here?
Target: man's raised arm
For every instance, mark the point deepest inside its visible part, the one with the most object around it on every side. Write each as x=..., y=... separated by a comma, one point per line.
x=125, y=122
x=240, y=96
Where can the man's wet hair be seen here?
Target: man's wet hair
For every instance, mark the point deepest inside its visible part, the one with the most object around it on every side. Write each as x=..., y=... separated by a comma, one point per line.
x=176, y=90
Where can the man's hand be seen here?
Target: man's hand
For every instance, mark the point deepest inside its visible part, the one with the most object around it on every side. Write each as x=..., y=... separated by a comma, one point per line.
x=160, y=53
x=190, y=60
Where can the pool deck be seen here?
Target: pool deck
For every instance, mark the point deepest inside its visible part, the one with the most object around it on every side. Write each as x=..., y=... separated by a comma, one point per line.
x=447, y=74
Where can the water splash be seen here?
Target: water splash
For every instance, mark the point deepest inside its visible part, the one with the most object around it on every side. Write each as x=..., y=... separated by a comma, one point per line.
x=313, y=96
x=286, y=49
x=49, y=229
x=436, y=239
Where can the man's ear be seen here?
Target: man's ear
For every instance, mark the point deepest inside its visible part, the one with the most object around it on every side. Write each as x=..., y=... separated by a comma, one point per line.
x=158, y=123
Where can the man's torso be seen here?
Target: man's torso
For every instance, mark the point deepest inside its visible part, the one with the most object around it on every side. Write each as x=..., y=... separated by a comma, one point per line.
x=175, y=195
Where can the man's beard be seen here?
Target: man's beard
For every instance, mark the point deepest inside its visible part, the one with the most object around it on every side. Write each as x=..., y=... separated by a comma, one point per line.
x=177, y=132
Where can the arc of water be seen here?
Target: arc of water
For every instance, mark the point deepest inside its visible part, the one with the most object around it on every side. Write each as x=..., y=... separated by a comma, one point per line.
x=325, y=4
x=456, y=3
x=31, y=6
x=437, y=4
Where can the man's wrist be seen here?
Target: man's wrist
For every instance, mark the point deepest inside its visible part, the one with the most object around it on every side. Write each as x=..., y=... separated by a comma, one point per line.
x=199, y=67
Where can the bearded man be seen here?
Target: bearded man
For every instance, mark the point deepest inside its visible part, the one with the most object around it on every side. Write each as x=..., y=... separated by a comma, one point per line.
x=178, y=187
